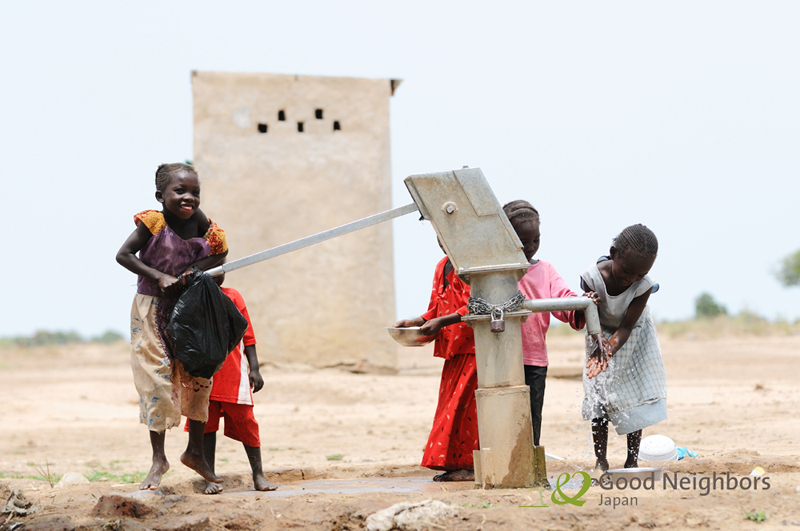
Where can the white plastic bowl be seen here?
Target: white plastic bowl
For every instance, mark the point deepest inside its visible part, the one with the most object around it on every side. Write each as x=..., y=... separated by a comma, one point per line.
x=658, y=448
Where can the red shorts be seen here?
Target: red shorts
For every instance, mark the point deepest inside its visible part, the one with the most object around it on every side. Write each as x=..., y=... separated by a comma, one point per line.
x=240, y=423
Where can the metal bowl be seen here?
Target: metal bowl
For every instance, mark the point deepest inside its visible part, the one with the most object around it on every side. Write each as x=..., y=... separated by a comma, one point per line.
x=641, y=472
x=409, y=337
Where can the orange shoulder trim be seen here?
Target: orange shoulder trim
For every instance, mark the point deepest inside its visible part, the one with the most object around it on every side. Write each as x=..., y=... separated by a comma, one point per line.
x=152, y=219
x=216, y=238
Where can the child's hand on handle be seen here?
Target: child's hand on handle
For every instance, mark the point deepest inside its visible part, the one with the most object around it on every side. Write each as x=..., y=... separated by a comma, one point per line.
x=169, y=285
x=593, y=295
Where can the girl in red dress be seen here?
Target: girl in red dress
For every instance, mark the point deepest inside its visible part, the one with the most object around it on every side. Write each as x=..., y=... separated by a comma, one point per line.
x=454, y=435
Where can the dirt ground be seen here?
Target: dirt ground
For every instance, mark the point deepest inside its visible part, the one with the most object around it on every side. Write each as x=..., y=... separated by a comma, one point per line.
x=345, y=445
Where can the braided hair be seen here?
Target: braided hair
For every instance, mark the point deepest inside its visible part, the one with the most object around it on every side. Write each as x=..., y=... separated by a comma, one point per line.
x=520, y=211
x=165, y=172
x=636, y=239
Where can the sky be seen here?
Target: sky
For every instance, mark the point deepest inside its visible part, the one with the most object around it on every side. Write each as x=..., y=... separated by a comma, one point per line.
x=680, y=115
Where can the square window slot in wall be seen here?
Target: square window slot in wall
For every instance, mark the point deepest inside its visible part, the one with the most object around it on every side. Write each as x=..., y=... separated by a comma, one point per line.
x=318, y=114
x=262, y=128
x=337, y=126
x=299, y=127
x=281, y=116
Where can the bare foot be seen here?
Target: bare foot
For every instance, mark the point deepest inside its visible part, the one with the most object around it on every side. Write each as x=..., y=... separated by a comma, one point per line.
x=602, y=464
x=199, y=465
x=153, y=479
x=603, y=481
x=456, y=475
x=213, y=488
x=261, y=483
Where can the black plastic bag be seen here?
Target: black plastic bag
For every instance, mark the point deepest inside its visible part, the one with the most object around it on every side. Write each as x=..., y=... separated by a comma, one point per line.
x=205, y=326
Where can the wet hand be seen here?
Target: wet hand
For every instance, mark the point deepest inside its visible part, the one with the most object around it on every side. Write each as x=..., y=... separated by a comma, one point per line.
x=256, y=381
x=597, y=363
x=613, y=344
x=606, y=345
x=593, y=295
x=598, y=359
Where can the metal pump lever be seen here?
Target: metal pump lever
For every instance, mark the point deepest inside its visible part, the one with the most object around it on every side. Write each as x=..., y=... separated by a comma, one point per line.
x=313, y=239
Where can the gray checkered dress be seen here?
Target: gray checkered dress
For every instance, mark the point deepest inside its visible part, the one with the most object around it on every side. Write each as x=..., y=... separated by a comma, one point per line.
x=632, y=392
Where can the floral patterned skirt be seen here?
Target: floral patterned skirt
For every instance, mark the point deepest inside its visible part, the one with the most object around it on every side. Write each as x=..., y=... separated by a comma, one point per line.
x=165, y=390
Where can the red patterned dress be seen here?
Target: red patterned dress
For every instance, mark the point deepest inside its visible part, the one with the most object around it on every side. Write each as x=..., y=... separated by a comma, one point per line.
x=455, y=426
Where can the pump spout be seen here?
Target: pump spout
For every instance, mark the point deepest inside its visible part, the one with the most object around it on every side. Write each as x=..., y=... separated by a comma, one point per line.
x=568, y=303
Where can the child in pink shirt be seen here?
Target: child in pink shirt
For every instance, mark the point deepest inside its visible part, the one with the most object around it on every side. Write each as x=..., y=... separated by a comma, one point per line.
x=541, y=281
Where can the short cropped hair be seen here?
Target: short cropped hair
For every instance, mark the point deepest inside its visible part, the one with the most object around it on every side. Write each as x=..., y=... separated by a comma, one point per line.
x=520, y=211
x=165, y=171
x=637, y=239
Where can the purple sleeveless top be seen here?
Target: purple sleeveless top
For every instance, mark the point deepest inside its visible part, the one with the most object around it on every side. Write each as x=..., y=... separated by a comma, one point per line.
x=169, y=253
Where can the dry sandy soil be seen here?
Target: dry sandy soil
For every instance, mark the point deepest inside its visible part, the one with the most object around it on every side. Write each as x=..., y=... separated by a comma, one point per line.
x=734, y=401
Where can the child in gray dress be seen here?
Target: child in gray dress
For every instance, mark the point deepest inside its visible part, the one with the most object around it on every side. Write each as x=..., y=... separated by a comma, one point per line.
x=629, y=387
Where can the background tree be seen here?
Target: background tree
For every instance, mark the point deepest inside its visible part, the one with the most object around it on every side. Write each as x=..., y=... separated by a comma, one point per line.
x=706, y=306
x=788, y=273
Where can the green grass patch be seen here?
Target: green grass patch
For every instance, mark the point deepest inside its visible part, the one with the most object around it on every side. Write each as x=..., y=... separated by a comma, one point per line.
x=45, y=474
x=334, y=457
x=481, y=505
x=38, y=477
x=50, y=478
x=756, y=516
x=102, y=475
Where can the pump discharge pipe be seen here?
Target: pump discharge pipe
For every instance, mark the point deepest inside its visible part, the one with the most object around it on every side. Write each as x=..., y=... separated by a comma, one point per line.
x=585, y=304
x=589, y=309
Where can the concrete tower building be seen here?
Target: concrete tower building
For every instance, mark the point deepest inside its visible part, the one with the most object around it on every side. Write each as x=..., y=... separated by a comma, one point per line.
x=281, y=157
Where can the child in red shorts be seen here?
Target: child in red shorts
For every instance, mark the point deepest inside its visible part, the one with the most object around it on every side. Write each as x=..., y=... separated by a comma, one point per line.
x=232, y=398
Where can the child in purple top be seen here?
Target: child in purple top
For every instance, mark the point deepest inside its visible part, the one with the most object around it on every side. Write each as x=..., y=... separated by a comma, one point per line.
x=170, y=243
